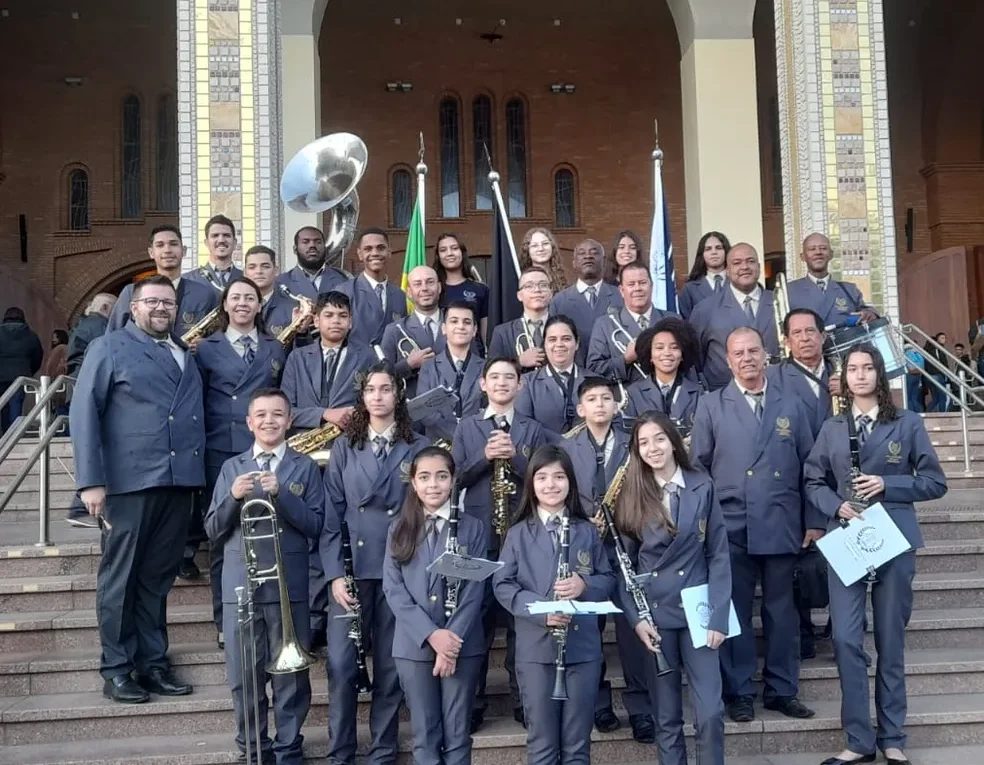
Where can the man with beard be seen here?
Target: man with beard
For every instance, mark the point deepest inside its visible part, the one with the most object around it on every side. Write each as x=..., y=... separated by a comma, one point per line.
x=195, y=299
x=376, y=301
x=423, y=327
x=589, y=297
x=312, y=275
x=220, y=240
x=834, y=301
x=138, y=433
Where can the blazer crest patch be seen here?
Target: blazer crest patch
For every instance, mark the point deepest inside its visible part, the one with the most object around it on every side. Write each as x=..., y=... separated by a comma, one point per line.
x=894, y=453
x=405, y=471
x=783, y=427
x=702, y=529
x=841, y=304
x=583, y=562
x=275, y=366
x=297, y=489
x=527, y=451
x=188, y=317
x=276, y=329
x=397, y=316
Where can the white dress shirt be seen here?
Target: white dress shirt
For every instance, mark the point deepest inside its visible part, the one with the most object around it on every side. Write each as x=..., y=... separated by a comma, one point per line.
x=711, y=277
x=387, y=434
x=755, y=295
x=177, y=352
x=373, y=284
x=816, y=280
x=677, y=479
x=648, y=314
x=490, y=412
x=443, y=515
x=544, y=516
x=748, y=399
x=434, y=317
x=234, y=336
x=278, y=454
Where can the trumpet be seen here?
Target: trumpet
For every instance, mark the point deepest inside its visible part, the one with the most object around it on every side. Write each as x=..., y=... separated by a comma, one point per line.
x=621, y=331
x=316, y=443
x=286, y=336
x=524, y=340
x=205, y=327
x=406, y=344
x=780, y=308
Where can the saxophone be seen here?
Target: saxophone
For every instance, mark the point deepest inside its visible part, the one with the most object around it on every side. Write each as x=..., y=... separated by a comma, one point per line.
x=315, y=443
x=502, y=489
x=205, y=327
x=614, y=489
x=288, y=333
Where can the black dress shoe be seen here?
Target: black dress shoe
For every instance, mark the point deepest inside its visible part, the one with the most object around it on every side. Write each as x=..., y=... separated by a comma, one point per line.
x=124, y=690
x=477, y=720
x=643, y=728
x=741, y=710
x=893, y=761
x=808, y=650
x=606, y=721
x=519, y=716
x=839, y=761
x=188, y=569
x=319, y=640
x=790, y=706
x=163, y=683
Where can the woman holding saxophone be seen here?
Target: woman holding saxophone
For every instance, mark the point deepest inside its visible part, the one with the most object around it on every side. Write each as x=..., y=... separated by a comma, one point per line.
x=439, y=642
x=672, y=526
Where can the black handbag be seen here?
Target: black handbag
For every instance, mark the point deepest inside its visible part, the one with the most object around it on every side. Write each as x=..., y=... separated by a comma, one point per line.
x=810, y=579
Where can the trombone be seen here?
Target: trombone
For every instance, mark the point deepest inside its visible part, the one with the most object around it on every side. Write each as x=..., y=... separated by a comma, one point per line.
x=621, y=331
x=290, y=655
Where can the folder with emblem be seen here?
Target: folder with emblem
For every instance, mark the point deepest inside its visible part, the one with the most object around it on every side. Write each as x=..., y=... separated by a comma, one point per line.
x=697, y=609
x=459, y=566
x=871, y=540
x=439, y=400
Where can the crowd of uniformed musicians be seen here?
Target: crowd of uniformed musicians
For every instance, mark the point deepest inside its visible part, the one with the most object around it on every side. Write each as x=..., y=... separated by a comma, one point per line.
x=734, y=467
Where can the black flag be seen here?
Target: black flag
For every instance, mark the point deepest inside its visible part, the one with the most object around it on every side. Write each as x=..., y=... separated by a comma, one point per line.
x=504, y=306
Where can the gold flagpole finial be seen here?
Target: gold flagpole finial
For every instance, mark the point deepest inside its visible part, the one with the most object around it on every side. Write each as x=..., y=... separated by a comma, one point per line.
x=421, y=167
x=657, y=152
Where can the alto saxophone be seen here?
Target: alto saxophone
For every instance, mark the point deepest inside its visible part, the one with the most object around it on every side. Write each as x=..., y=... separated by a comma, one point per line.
x=205, y=327
x=502, y=489
x=288, y=333
x=314, y=443
x=614, y=489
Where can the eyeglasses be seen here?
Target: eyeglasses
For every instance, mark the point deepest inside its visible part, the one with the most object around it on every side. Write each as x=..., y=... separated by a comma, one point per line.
x=152, y=302
x=536, y=287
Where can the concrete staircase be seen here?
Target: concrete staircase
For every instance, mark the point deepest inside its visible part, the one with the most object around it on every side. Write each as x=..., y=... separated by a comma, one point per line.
x=52, y=710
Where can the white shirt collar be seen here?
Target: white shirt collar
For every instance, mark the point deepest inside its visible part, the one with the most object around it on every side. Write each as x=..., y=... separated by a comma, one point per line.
x=312, y=274
x=278, y=451
x=571, y=370
x=176, y=282
x=583, y=286
x=387, y=434
x=676, y=479
x=818, y=279
x=434, y=317
x=531, y=319
x=234, y=335
x=544, y=516
x=744, y=391
x=443, y=512
x=490, y=412
x=372, y=282
x=324, y=349
x=873, y=414
x=173, y=346
x=648, y=314
x=740, y=296
x=711, y=277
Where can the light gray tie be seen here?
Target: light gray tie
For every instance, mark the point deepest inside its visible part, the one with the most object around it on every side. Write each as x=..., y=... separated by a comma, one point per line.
x=643, y=323
x=553, y=527
x=863, y=422
x=248, y=353
x=379, y=296
x=431, y=535
x=673, y=491
x=379, y=447
x=718, y=282
x=757, y=406
x=429, y=326
x=591, y=293
x=822, y=285
x=748, y=308
x=537, y=333
x=665, y=390
x=263, y=460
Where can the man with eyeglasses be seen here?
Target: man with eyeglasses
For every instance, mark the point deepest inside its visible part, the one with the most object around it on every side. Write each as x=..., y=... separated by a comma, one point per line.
x=194, y=298
x=534, y=293
x=138, y=433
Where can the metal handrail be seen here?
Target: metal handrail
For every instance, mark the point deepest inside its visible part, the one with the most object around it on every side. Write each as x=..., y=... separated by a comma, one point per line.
x=16, y=385
x=908, y=328
x=47, y=390
x=963, y=389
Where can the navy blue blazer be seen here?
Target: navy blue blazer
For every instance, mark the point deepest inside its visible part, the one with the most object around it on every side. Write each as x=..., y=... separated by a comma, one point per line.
x=475, y=472
x=195, y=301
x=644, y=396
x=541, y=398
x=604, y=358
x=300, y=505
x=693, y=293
x=715, y=318
x=439, y=371
x=416, y=597
x=528, y=576
x=206, y=276
x=302, y=381
x=697, y=554
x=368, y=497
x=424, y=339
x=899, y=451
x=228, y=382
x=277, y=313
x=757, y=467
x=834, y=304
x=368, y=319
x=582, y=453
x=298, y=283
x=137, y=422
x=503, y=341
x=573, y=304
x=791, y=377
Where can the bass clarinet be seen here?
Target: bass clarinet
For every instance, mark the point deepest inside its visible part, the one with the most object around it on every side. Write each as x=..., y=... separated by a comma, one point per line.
x=362, y=683
x=632, y=585
x=452, y=585
x=560, y=633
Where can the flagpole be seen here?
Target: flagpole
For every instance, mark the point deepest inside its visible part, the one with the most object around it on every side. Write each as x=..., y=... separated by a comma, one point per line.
x=494, y=181
x=421, y=176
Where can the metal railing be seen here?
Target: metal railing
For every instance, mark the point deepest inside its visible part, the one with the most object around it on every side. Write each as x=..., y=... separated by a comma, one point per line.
x=48, y=428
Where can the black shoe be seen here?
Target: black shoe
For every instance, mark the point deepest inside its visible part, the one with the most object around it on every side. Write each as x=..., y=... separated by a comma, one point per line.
x=808, y=650
x=643, y=728
x=163, y=683
x=188, y=569
x=123, y=690
x=741, y=709
x=606, y=721
x=269, y=758
x=319, y=640
x=519, y=716
x=477, y=720
x=892, y=761
x=864, y=758
x=790, y=706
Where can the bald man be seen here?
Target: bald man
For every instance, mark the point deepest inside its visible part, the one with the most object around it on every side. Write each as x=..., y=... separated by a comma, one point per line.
x=834, y=301
x=422, y=326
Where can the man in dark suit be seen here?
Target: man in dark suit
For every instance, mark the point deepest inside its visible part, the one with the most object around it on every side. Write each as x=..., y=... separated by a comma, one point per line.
x=138, y=433
x=834, y=301
x=376, y=301
x=220, y=241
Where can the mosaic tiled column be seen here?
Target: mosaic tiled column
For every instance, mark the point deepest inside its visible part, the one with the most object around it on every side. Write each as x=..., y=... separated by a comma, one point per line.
x=836, y=159
x=228, y=120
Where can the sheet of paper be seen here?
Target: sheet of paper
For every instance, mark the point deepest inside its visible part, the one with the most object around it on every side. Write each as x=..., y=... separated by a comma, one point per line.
x=439, y=400
x=871, y=540
x=697, y=609
x=464, y=567
x=574, y=607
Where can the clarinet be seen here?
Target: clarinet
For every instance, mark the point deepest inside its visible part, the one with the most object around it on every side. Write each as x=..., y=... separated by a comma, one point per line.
x=857, y=501
x=632, y=585
x=452, y=585
x=560, y=633
x=362, y=683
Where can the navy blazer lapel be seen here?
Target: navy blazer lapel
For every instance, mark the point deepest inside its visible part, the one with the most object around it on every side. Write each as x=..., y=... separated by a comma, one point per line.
x=689, y=390
x=313, y=363
x=398, y=451
x=686, y=515
x=541, y=540
x=764, y=317
x=746, y=417
x=434, y=581
x=286, y=469
x=365, y=458
x=880, y=432
x=619, y=452
x=770, y=416
x=630, y=324
x=607, y=298
x=148, y=345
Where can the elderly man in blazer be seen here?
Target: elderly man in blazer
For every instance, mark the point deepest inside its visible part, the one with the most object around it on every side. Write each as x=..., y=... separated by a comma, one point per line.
x=138, y=433
x=832, y=300
x=760, y=492
x=376, y=301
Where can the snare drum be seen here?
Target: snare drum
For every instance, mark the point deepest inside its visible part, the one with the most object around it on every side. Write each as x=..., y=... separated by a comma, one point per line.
x=878, y=333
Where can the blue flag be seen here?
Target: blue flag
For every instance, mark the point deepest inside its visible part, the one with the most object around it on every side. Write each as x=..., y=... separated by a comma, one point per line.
x=661, y=249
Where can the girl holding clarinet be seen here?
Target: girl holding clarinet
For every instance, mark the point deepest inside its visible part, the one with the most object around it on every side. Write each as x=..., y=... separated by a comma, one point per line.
x=439, y=642
x=558, y=660
x=673, y=529
x=870, y=453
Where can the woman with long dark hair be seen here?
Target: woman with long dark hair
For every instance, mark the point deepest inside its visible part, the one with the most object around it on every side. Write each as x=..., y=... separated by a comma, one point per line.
x=438, y=651
x=707, y=275
x=673, y=525
x=667, y=352
x=897, y=466
x=627, y=249
x=365, y=488
x=540, y=249
x=459, y=278
x=558, y=731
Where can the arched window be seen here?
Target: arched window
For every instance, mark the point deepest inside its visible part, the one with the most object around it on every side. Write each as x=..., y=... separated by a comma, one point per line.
x=450, y=159
x=516, y=157
x=482, y=139
x=565, y=199
x=78, y=200
x=167, y=155
x=130, y=206
x=402, y=193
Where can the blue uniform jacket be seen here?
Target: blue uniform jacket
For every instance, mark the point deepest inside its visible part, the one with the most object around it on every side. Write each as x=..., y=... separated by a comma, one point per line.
x=645, y=396
x=838, y=301
x=573, y=304
x=542, y=398
x=195, y=301
x=424, y=339
x=439, y=371
x=604, y=358
x=368, y=318
x=302, y=381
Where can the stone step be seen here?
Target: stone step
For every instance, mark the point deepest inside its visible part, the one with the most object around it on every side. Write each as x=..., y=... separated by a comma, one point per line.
x=78, y=591
x=59, y=447
x=63, y=559
x=942, y=438
x=956, y=478
x=58, y=480
x=932, y=721
x=940, y=525
x=935, y=422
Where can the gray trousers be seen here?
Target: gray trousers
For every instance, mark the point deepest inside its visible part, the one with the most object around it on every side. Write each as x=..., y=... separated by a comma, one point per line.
x=558, y=732
x=291, y=693
x=377, y=629
x=703, y=670
x=440, y=710
x=141, y=555
x=891, y=604
x=633, y=656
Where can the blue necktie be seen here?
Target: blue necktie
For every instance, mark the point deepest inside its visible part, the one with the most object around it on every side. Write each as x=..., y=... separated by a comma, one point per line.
x=553, y=527
x=863, y=422
x=248, y=353
x=674, y=492
x=748, y=308
x=379, y=446
x=263, y=460
x=379, y=296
